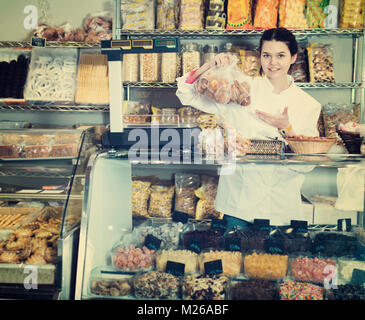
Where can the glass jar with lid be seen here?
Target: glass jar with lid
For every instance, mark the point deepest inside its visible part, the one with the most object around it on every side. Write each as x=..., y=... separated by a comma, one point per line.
x=210, y=51
x=169, y=116
x=191, y=57
x=228, y=48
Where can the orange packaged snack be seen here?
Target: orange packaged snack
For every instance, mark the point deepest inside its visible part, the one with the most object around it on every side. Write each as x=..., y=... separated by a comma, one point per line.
x=266, y=14
x=239, y=14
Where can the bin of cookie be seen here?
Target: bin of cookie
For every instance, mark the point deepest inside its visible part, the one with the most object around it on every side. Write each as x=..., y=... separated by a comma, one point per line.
x=189, y=258
x=230, y=261
x=346, y=291
x=294, y=290
x=112, y=286
x=313, y=269
x=157, y=285
x=253, y=289
x=265, y=266
x=133, y=258
x=199, y=287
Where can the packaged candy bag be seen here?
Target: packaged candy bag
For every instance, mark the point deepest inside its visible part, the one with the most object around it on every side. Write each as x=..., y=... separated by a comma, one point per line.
x=225, y=85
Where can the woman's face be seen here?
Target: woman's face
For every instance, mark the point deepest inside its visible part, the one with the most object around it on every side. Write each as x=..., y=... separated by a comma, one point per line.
x=276, y=59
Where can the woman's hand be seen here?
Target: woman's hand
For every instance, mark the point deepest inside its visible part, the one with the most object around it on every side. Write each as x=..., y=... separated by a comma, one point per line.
x=221, y=60
x=280, y=121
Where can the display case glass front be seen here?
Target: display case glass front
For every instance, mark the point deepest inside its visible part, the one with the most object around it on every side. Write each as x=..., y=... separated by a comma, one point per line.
x=150, y=231
x=40, y=209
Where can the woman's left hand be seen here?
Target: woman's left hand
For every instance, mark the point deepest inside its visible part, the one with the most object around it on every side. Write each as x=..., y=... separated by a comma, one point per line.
x=280, y=121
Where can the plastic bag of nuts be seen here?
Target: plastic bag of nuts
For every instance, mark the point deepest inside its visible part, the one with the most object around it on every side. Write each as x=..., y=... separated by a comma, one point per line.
x=185, y=186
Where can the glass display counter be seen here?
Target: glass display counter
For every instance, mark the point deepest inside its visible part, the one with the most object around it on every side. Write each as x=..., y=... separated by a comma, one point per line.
x=127, y=249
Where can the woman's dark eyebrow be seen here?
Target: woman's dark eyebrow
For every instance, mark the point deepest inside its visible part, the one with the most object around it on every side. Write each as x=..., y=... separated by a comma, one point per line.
x=281, y=52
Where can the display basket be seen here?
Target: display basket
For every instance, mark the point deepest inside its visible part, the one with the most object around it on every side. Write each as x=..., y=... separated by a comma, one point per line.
x=311, y=146
x=352, y=140
x=265, y=146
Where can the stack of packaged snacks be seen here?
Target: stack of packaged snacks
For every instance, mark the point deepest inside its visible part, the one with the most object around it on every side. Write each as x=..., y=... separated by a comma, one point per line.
x=137, y=14
x=185, y=198
x=239, y=14
x=320, y=57
x=160, y=204
x=352, y=14
x=266, y=14
x=299, y=69
x=291, y=14
x=216, y=17
x=191, y=15
x=167, y=14
x=315, y=13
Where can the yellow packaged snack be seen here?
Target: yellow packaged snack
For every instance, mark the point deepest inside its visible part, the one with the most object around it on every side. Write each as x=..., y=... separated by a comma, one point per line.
x=291, y=14
x=266, y=14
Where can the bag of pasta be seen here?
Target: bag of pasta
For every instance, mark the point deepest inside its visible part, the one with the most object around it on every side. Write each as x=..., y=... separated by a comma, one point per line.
x=160, y=204
x=225, y=85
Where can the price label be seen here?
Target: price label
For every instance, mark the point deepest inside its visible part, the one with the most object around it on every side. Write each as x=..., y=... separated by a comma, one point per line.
x=175, y=268
x=195, y=246
x=261, y=224
x=219, y=224
x=358, y=277
x=274, y=246
x=299, y=225
x=38, y=42
x=344, y=224
x=178, y=216
x=233, y=244
x=213, y=267
x=152, y=243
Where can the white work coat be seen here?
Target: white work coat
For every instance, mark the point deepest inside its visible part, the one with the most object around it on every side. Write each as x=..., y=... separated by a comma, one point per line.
x=260, y=191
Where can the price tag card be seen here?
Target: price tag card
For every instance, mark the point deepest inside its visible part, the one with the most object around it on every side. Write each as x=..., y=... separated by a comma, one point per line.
x=38, y=42
x=358, y=277
x=213, y=267
x=274, y=246
x=178, y=216
x=344, y=225
x=195, y=246
x=233, y=243
x=299, y=225
x=152, y=243
x=175, y=268
x=219, y=224
x=261, y=224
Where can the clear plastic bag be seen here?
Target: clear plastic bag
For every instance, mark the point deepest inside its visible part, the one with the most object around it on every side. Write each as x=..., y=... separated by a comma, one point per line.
x=266, y=14
x=167, y=14
x=320, y=57
x=185, y=186
x=138, y=14
x=352, y=14
x=207, y=194
x=239, y=14
x=315, y=13
x=334, y=114
x=291, y=14
x=140, y=195
x=161, y=200
x=191, y=15
x=225, y=85
x=299, y=69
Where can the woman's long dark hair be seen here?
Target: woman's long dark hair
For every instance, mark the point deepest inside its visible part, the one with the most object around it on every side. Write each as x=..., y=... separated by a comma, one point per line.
x=282, y=35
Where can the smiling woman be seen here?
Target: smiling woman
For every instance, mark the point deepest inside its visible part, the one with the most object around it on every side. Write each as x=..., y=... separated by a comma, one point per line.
x=277, y=108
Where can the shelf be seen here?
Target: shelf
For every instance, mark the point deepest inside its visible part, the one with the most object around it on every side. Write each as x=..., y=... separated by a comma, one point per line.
x=304, y=85
x=28, y=44
x=227, y=33
x=50, y=107
x=40, y=196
